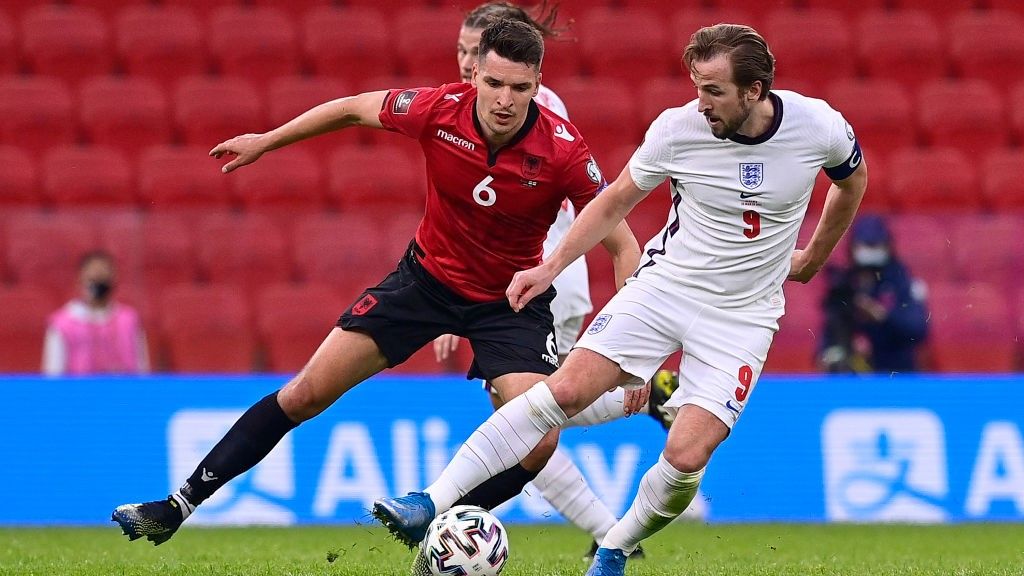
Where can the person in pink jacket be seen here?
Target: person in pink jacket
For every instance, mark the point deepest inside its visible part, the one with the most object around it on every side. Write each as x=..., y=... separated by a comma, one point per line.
x=93, y=333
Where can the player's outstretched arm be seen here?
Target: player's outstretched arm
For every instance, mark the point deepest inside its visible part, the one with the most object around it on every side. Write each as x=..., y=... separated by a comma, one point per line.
x=595, y=223
x=360, y=110
x=841, y=205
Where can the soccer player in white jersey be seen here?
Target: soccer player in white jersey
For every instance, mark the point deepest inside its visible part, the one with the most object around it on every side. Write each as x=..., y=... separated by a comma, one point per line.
x=742, y=161
x=559, y=481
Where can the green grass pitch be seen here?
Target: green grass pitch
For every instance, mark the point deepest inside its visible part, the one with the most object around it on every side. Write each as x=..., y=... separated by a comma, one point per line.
x=682, y=549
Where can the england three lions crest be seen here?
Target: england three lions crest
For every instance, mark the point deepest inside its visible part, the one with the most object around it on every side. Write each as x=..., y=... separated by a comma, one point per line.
x=751, y=175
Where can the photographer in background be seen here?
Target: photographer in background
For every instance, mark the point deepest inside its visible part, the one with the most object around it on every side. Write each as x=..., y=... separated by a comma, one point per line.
x=875, y=311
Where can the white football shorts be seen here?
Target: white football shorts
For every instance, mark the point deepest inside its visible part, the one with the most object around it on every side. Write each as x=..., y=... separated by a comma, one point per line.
x=724, y=350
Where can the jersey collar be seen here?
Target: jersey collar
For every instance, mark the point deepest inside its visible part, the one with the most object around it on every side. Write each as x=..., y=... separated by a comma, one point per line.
x=776, y=122
x=532, y=114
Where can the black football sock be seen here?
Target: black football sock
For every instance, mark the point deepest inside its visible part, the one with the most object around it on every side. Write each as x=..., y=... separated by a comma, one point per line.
x=251, y=438
x=498, y=489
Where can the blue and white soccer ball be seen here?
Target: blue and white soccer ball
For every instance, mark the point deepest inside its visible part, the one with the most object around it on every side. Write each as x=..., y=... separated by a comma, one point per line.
x=465, y=541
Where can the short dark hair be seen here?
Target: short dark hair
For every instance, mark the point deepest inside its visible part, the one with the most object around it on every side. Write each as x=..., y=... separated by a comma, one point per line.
x=513, y=40
x=486, y=14
x=747, y=50
x=91, y=255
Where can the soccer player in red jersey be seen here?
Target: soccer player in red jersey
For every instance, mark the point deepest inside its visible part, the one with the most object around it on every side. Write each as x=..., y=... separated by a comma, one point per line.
x=499, y=167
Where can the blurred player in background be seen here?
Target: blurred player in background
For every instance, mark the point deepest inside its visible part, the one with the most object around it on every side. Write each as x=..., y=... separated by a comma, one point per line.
x=560, y=481
x=499, y=167
x=742, y=161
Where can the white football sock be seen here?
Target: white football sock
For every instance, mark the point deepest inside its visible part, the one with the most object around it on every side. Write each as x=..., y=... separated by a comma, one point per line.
x=500, y=443
x=663, y=495
x=606, y=408
x=562, y=484
x=186, y=507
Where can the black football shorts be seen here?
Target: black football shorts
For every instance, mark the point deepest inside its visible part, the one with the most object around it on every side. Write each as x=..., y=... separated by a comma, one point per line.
x=410, y=308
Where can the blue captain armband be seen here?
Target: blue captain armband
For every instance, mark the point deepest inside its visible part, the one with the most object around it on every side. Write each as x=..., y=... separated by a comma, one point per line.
x=848, y=167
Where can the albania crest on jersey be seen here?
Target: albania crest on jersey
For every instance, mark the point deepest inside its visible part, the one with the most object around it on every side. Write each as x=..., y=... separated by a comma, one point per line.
x=531, y=166
x=751, y=174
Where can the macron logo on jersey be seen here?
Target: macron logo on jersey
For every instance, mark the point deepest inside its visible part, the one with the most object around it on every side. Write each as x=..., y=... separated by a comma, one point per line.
x=456, y=140
x=561, y=132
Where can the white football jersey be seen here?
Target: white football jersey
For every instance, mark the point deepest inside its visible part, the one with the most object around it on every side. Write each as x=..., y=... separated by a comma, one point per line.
x=572, y=285
x=737, y=204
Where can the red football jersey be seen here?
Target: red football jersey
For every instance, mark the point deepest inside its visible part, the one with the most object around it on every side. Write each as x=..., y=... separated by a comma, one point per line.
x=487, y=214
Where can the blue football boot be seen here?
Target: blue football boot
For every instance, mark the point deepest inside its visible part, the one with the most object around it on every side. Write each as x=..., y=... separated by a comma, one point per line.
x=608, y=562
x=407, y=518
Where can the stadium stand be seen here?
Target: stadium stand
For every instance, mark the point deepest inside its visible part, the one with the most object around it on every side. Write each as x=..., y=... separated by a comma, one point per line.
x=19, y=179
x=293, y=319
x=245, y=250
x=795, y=344
x=293, y=181
x=181, y=177
x=933, y=180
x=8, y=52
x=151, y=251
x=817, y=43
x=377, y=179
x=206, y=329
x=66, y=41
x=942, y=9
x=109, y=8
x=164, y=43
x=946, y=121
x=1002, y=186
x=924, y=244
x=904, y=46
x=289, y=96
x=420, y=49
x=988, y=45
x=606, y=122
x=880, y=128
x=349, y=43
x=209, y=109
x=295, y=8
x=255, y=43
x=204, y=9
x=625, y=44
x=1017, y=112
x=35, y=113
x=999, y=260
x=43, y=249
x=342, y=250
x=22, y=326
x=971, y=329
x=87, y=175
x=124, y=112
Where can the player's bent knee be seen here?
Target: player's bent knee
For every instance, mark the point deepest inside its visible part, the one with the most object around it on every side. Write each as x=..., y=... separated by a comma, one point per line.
x=687, y=458
x=568, y=396
x=539, y=456
x=299, y=398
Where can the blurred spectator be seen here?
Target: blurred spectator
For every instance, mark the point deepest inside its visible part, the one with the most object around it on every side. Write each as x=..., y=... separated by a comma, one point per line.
x=94, y=334
x=875, y=312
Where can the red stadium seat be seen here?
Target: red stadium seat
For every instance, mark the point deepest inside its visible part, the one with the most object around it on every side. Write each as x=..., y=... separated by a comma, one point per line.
x=293, y=319
x=164, y=43
x=43, y=250
x=426, y=42
x=210, y=110
x=17, y=8
x=23, y=318
x=606, y=122
x=290, y=96
x=173, y=177
x=933, y=180
x=878, y=110
x=945, y=120
x=206, y=329
x=988, y=45
x=1002, y=185
x=942, y=9
x=795, y=345
x=1017, y=111
x=124, y=112
x=247, y=251
x=35, y=113
x=109, y=9
x=349, y=251
x=904, y=46
x=814, y=45
x=295, y=8
x=8, y=54
x=381, y=176
x=970, y=329
x=93, y=175
x=849, y=8
x=561, y=60
x=66, y=41
x=662, y=93
x=203, y=8
x=19, y=179
x=988, y=249
x=923, y=243
x=152, y=251
x=255, y=43
x=687, y=21
x=350, y=43
x=627, y=44
x=1012, y=5
x=283, y=179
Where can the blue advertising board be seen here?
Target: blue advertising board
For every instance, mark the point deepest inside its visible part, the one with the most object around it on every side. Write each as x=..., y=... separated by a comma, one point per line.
x=921, y=449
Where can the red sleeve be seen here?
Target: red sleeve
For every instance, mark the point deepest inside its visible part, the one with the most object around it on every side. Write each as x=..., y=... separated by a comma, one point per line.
x=408, y=111
x=583, y=177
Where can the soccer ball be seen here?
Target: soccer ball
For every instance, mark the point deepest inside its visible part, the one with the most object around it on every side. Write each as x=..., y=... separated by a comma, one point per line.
x=465, y=541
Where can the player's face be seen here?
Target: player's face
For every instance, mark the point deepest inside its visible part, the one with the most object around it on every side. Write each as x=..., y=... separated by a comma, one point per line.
x=725, y=106
x=468, y=50
x=504, y=90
